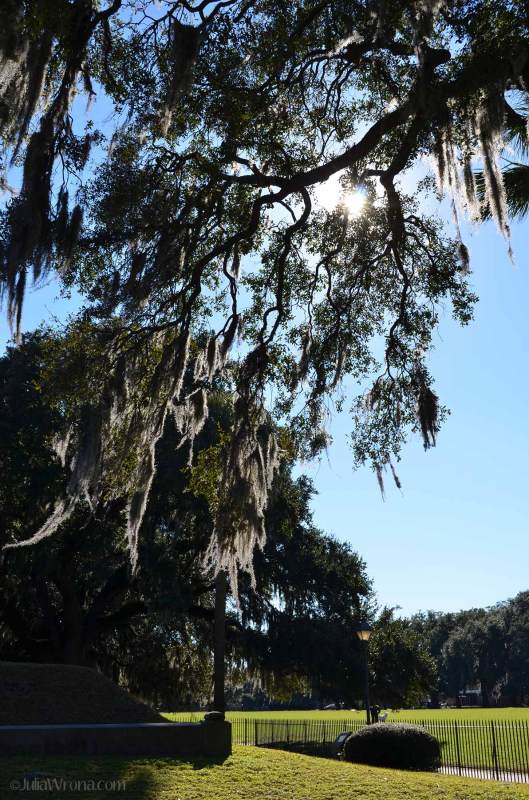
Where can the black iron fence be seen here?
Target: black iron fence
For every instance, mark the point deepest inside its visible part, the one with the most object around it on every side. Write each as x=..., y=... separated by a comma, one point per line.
x=494, y=750
x=481, y=749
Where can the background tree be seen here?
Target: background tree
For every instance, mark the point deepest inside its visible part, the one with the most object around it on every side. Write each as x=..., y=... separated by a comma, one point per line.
x=483, y=648
x=516, y=688
x=434, y=629
x=403, y=671
x=459, y=663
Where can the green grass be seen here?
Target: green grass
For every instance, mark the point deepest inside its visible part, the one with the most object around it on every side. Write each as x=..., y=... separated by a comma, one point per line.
x=250, y=774
x=442, y=715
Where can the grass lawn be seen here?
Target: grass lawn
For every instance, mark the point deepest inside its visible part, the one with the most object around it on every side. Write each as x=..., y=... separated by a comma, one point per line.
x=250, y=774
x=444, y=714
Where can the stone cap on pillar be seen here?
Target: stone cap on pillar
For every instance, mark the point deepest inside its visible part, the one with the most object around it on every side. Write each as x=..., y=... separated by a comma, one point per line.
x=214, y=716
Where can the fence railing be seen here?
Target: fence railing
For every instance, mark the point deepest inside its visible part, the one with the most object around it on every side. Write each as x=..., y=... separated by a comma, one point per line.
x=494, y=750
x=482, y=749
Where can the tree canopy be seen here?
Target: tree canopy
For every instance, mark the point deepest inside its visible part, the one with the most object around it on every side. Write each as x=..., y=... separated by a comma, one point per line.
x=193, y=231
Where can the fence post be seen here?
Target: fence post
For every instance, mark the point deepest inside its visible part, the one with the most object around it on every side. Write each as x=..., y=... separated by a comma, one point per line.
x=457, y=748
x=255, y=733
x=494, y=752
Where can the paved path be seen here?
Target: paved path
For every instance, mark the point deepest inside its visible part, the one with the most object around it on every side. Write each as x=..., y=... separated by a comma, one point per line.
x=487, y=774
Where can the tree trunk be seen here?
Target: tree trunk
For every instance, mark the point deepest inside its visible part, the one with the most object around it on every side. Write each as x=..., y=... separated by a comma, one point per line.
x=220, y=642
x=485, y=697
x=434, y=697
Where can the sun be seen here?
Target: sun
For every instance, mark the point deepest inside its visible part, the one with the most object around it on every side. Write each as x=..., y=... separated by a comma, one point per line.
x=354, y=203
x=330, y=195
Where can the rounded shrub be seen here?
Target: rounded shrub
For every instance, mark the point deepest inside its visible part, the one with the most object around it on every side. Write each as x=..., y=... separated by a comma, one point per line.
x=399, y=746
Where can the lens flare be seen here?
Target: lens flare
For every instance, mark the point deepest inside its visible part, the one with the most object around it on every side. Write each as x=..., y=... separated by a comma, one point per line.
x=354, y=203
x=330, y=195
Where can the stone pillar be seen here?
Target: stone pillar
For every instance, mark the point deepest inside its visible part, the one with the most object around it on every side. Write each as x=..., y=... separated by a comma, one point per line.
x=217, y=734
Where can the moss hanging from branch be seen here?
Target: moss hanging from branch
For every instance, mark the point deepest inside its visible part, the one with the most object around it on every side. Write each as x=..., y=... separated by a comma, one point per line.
x=111, y=447
x=184, y=44
x=427, y=408
x=489, y=128
x=24, y=66
x=249, y=467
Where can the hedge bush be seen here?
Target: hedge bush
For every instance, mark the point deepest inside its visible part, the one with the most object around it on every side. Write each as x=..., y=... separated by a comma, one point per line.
x=399, y=746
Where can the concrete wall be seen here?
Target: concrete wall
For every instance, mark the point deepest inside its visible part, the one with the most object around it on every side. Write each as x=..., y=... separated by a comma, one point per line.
x=212, y=737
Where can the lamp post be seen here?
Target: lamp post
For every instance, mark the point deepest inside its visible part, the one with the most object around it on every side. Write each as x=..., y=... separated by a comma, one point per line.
x=364, y=632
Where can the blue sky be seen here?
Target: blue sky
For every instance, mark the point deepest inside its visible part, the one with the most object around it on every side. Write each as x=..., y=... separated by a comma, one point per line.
x=456, y=536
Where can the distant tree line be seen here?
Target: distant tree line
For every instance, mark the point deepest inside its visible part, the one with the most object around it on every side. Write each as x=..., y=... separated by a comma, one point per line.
x=482, y=647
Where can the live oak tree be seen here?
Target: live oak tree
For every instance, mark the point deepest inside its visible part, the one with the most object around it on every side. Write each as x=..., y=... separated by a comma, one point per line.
x=194, y=236
x=73, y=599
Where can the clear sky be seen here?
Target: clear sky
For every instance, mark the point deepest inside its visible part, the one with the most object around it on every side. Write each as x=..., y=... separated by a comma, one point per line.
x=456, y=536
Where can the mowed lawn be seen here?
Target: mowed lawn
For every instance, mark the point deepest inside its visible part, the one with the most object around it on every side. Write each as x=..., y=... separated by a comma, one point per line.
x=440, y=715
x=249, y=774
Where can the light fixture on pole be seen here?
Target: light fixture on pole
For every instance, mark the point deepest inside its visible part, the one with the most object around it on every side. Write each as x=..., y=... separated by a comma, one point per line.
x=364, y=632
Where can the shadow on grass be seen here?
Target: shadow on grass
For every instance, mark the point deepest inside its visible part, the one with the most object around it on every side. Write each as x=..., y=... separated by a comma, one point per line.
x=99, y=778
x=68, y=777
x=319, y=750
x=206, y=762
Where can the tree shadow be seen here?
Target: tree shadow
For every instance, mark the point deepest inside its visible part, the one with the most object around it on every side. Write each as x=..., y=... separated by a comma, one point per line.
x=207, y=762
x=67, y=777
x=99, y=777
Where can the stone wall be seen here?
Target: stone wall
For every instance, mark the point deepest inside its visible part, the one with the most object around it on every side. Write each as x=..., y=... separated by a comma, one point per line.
x=212, y=737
